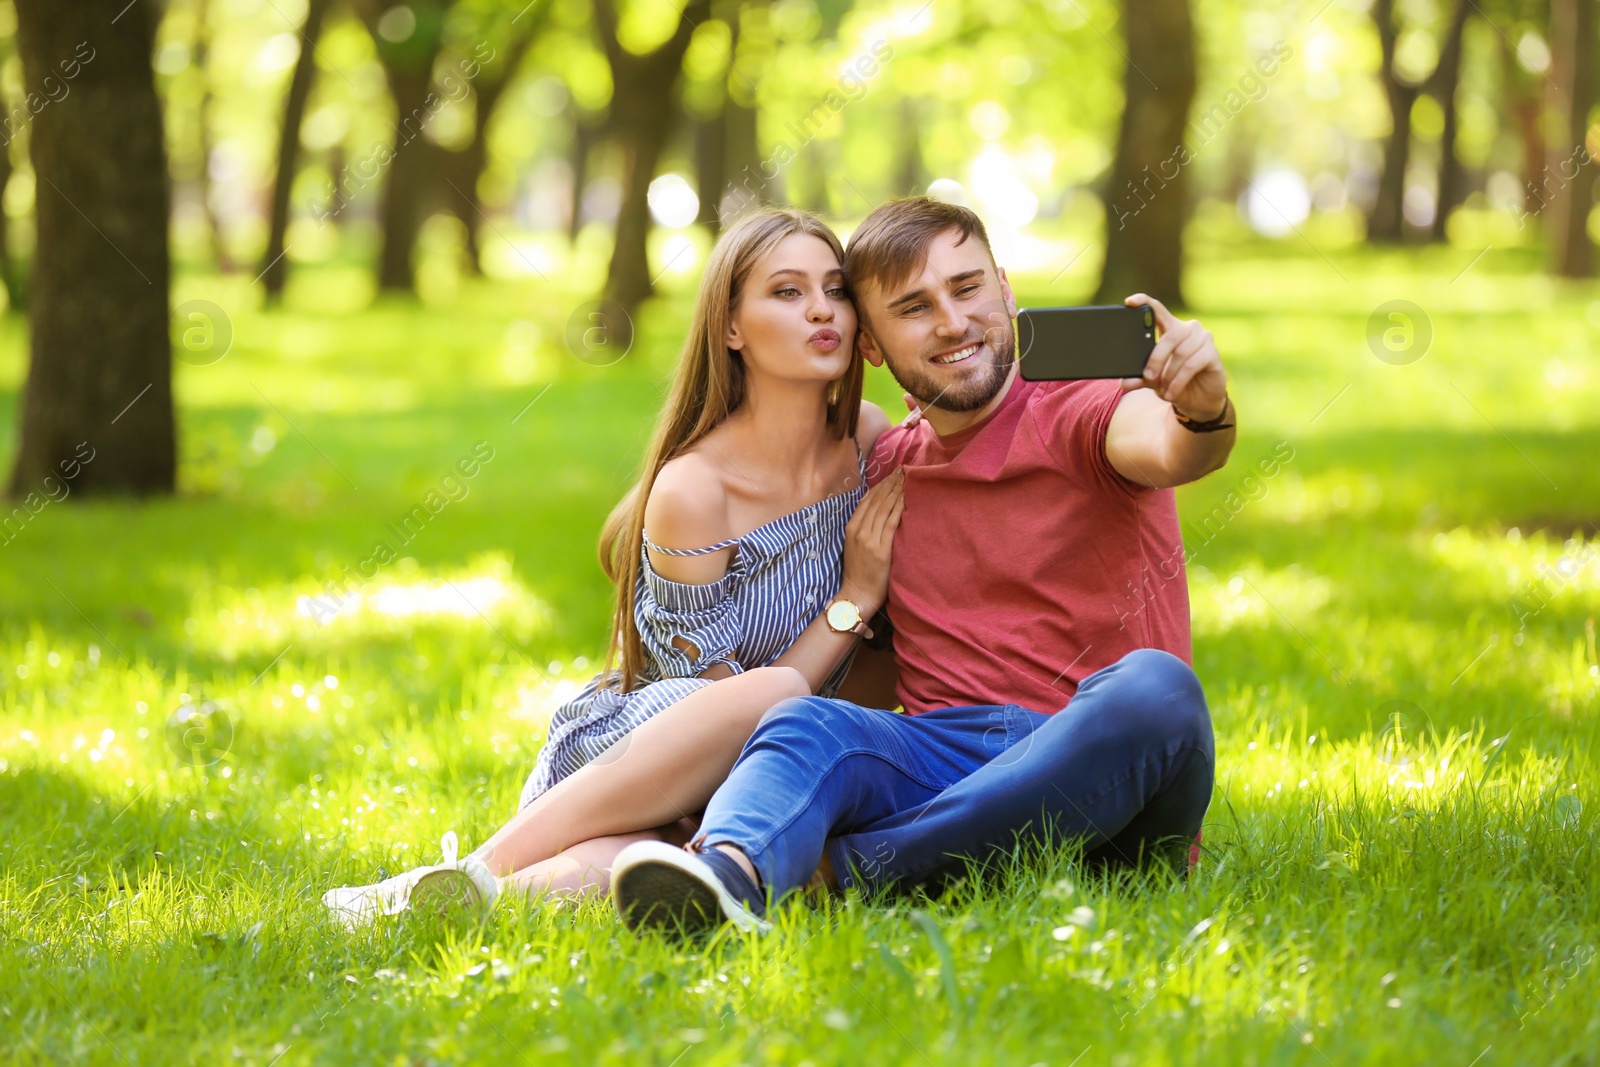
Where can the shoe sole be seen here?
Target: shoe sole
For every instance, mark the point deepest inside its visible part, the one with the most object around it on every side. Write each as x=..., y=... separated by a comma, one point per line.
x=662, y=888
x=446, y=892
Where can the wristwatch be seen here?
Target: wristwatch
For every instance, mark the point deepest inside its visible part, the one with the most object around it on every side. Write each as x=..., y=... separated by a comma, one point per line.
x=844, y=617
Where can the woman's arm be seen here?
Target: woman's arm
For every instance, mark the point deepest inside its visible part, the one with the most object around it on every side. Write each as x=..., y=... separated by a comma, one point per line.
x=869, y=538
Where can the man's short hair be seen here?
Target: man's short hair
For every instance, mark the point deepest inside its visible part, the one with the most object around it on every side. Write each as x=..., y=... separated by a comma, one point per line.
x=891, y=244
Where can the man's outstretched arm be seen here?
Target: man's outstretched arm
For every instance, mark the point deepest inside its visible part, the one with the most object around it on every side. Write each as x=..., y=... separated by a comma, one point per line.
x=1146, y=442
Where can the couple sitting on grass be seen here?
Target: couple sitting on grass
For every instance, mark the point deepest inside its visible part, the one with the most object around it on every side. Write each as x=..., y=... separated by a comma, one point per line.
x=1028, y=625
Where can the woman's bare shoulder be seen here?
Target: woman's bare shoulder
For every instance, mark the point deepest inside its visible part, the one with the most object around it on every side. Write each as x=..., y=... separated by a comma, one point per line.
x=869, y=425
x=688, y=508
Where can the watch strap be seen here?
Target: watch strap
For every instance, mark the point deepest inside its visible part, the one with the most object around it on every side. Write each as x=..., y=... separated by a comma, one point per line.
x=1209, y=425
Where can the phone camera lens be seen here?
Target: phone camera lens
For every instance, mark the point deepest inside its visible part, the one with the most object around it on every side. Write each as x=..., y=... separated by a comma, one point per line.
x=1149, y=317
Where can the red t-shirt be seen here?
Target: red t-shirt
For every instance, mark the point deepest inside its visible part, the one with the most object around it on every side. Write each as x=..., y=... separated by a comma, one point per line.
x=1024, y=562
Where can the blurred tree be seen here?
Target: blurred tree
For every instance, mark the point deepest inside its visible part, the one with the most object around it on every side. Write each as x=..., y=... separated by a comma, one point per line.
x=202, y=46
x=1520, y=90
x=588, y=130
x=464, y=168
x=99, y=388
x=807, y=184
x=1442, y=85
x=408, y=38
x=10, y=270
x=11, y=275
x=725, y=141
x=1386, y=221
x=1147, y=196
x=711, y=166
x=643, y=111
x=274, y=264
x=911, y=174
x=740, y=132
x=1570, y=180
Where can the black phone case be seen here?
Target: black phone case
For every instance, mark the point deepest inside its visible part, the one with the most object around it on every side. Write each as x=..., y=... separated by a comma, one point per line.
x=1081, y=343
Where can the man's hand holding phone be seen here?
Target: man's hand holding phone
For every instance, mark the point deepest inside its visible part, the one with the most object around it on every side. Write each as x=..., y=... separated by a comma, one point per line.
x=1184, y=368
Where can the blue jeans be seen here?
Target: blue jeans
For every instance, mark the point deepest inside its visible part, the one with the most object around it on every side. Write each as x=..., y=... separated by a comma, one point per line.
x=1125, y=767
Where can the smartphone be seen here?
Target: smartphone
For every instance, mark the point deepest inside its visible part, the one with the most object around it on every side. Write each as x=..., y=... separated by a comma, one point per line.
x=1072, y=344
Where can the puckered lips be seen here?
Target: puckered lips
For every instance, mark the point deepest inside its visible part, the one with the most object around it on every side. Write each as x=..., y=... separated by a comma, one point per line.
x=825, y=339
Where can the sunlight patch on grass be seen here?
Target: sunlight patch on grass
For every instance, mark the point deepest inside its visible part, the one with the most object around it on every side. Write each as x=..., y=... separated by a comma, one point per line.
x=1530, y=574
x=1406, y=758
x=1254, y=597
x=468, y=597
x=537, y=697
x=485, y=595
x=1348, y=494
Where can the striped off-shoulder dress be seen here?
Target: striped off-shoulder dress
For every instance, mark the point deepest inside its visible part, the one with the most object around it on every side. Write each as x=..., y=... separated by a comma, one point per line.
x=781, y=577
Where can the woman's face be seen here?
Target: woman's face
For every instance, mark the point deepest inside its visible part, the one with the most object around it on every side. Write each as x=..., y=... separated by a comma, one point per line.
x=794, y=320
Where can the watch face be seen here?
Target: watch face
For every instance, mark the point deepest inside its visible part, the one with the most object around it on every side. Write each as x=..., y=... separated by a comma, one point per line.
x=842, y=615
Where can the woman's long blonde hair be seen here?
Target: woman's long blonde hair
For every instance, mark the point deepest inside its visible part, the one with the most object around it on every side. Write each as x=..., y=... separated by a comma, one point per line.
x=708, y=387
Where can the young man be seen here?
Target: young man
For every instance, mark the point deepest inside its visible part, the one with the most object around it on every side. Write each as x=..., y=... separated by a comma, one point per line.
x=1039, y=605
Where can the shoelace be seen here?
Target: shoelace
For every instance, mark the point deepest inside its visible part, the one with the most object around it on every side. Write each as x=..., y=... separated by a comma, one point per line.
x=450, y=847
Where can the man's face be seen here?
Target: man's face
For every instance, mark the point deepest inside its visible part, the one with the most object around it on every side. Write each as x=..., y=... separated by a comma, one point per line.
x=945, y=332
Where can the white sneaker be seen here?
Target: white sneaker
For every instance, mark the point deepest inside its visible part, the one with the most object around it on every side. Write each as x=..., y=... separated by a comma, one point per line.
x=452, y=884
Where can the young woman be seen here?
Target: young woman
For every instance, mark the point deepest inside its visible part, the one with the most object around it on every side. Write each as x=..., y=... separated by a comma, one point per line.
x=749, y=521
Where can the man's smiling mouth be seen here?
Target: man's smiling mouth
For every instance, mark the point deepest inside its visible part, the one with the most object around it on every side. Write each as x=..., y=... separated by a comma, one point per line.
x=957, y=356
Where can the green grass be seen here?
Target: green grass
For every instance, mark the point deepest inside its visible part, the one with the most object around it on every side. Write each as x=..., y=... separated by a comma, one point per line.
x=1401, y=860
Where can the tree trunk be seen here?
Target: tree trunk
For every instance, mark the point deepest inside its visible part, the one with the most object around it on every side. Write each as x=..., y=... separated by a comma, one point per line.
x=1568, y=251
x=202, y=45
x=405, y=194
x=1452, y=177
x=488, y=91
x=98, y=401
x=639, y=125
x=643, y=110
x=1147, y=196
x=15, y=298
x=808, y=183
x=1238, y=161
x=711, y=166
x=725, y=145
x=742, y=147
x=410, y=169
x=1386, y=222
x=1387, y=219
x=465, y=202
x=1524, y=105
x=584, y=136
x=910, y=168
x=1442, y=87
x=274, y=263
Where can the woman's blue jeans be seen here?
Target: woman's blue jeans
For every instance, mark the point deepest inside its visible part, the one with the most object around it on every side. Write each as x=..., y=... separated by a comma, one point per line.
x=1125, y=768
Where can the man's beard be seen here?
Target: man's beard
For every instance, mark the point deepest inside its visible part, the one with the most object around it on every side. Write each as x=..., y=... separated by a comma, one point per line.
x=967, y=395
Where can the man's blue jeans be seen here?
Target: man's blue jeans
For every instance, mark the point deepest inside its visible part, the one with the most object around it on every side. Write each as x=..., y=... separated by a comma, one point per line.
x=901, y=799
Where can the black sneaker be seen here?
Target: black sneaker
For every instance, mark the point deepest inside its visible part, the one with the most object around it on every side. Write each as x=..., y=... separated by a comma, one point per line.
x=656, y=885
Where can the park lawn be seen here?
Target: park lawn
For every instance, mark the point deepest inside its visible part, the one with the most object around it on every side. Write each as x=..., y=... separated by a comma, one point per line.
x=1395, y=634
